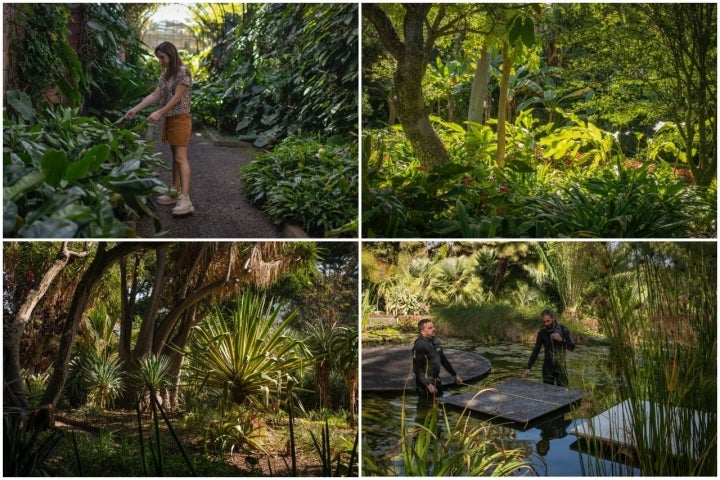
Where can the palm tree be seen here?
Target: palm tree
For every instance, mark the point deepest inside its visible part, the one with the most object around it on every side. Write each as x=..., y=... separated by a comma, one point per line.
x=320, y=341
x=568, y=269
x=452, y=281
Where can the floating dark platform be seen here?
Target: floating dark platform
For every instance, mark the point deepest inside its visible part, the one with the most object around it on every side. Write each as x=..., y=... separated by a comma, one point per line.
x=388, y=368
x=520, y=401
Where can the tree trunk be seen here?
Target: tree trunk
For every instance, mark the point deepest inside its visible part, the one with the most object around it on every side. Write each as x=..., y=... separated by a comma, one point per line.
x=146, y=337
x=351, y=380
x=502, y=104
x=127, y=309
x=173, y=351
x=412, y=58
x=500, y=271
x=392, y=108
x=322, y=383
x=479, y=90
x=12, y=333
x=103, y=260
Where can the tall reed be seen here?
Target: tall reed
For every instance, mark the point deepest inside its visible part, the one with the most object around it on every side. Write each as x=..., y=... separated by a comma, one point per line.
x=659, y=314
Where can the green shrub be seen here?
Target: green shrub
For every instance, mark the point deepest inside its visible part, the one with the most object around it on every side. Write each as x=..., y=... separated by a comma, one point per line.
x=307, y=182
x=65, y=175
x=621, y=203
x=496, y=321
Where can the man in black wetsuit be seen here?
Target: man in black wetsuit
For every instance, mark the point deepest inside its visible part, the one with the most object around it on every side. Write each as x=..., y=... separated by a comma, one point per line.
x=428, y=357
x=556, y=340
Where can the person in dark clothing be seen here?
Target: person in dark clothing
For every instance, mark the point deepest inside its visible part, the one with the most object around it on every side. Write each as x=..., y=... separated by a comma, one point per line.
x=556, y=340
x=428, y=357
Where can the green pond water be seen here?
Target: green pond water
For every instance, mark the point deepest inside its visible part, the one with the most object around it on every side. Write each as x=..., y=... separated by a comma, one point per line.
x=550, y=447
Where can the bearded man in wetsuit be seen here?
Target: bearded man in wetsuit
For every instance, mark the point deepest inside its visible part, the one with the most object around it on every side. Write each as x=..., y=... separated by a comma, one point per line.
x=556, y=341
x=428, y=357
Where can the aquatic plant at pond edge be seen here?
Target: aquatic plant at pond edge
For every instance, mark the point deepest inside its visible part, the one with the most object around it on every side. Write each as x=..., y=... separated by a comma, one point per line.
x=439, y=448
x=661, y=314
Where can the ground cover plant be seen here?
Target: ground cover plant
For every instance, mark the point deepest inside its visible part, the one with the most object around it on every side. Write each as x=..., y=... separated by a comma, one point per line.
x=513, y=124
x=307, y=182
x=225, y=384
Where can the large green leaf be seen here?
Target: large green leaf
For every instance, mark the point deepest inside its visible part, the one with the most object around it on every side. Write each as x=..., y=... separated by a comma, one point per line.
x=90, y=161
x=21, y=103
x=54, y=165
x=50, y=228
x=25, y=183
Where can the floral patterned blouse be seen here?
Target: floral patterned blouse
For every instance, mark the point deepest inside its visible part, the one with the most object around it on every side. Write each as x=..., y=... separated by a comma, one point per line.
x=167, y=89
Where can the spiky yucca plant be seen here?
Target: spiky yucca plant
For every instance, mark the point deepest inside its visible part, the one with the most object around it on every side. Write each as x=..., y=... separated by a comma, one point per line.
x=247, y=355
x=104, y=380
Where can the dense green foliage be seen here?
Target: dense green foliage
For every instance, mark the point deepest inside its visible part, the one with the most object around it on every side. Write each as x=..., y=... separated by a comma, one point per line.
x=114, y=83
x=600, y=113
x=91, y=75
x=66, y=175
x=568, y=179
x=287, y=69
x=308, y=182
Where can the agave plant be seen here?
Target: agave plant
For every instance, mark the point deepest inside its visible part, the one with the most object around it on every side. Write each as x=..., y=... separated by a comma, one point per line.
x=103, y=377
x=247, y=355
x=152, y=371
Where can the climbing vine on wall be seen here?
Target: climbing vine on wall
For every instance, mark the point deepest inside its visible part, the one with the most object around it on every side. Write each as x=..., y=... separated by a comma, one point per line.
x=40, y=55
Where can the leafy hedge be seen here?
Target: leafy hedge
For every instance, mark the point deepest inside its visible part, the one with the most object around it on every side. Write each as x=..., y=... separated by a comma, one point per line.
x=287, y=69
x=307, y=182
x=67, y=176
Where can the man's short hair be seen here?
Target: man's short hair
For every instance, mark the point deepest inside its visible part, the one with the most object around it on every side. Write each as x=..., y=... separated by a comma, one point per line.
x=422, y=323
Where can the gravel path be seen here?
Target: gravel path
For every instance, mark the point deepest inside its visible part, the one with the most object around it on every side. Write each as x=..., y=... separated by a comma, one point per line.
x=221, y=211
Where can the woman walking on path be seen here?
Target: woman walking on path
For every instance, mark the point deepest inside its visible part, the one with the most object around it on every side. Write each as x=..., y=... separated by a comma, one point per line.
x=174, y=91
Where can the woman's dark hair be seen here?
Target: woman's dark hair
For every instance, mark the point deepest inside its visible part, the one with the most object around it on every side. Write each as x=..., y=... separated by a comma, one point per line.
x=169, y=49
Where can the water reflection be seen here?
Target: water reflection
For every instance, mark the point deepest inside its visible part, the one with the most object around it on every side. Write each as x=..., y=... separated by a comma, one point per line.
x=548, y=443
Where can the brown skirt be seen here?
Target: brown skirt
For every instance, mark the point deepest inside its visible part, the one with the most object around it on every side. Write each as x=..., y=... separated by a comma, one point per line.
x=176, y=130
